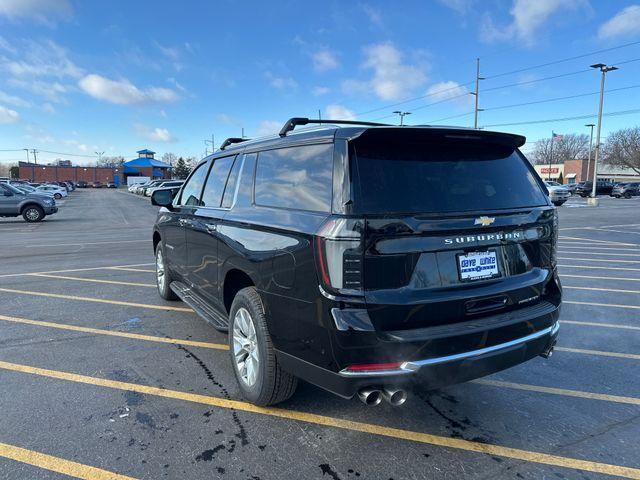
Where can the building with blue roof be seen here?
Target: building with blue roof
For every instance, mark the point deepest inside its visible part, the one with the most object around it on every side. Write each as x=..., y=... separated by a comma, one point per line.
x=146, y=166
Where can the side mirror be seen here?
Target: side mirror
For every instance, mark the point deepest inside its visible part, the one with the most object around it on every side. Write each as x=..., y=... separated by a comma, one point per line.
x=162, y=198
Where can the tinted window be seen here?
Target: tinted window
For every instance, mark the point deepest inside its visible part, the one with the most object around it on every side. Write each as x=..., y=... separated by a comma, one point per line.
x=193, y=187
x=212, y=195
x=434, y=178
x=297, y=177
x=230, y=189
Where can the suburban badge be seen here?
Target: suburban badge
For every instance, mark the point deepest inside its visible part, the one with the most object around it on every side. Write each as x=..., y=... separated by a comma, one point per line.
x=484, y=221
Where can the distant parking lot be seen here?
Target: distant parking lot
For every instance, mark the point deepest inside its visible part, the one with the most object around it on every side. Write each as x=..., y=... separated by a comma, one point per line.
x=102, y=379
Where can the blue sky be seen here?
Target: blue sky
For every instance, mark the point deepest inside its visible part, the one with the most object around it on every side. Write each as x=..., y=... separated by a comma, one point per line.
x=117, y=76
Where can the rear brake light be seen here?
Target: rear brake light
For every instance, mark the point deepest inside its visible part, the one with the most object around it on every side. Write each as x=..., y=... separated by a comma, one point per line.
x=374, y=367
x=339, y=253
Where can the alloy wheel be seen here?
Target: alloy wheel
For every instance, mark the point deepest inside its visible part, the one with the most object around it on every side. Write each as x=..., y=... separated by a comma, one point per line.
x=160, y=270
x=32, y=214
x=245, y=347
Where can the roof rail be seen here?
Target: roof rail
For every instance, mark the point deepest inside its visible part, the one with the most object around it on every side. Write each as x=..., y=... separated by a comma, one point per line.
x=293, y=122
x=231, y=141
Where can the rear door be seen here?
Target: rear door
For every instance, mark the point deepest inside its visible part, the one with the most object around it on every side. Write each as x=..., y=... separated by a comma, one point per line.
x=454, y=229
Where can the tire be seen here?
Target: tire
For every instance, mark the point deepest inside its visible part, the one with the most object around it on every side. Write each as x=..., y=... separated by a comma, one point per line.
x=32, y=213
x=269, y=384
x=163, y=275
x=627, y=195
x=57, y=196
x=558, y=204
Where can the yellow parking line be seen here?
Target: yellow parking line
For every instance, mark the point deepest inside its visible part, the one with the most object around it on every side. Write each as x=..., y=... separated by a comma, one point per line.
x=127, y=269
x=597, y=324
x=630, y=356
x=559, y=391
x=114, y=333
x=599, y=260
x=593, y=277
x=93, y=280
x=595, y=267
x=396, y=433
x=97, y=300
x=606, y=254
x=58, y=465
x=596, y=289
x=76, y=270
x=594, y=304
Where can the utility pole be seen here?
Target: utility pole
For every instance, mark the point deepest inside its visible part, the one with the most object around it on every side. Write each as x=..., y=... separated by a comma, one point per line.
x=35, y=157
x=213, y=146
x=319, y=115
x=604, y=69
x=476, y=94
x=242, y=136
x=551, y=156
x=27, y=151
x=402, y=115
x=591, y=125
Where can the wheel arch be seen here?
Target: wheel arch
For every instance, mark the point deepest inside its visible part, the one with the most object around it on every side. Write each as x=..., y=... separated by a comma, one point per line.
x=26, y=205
x=235, y=280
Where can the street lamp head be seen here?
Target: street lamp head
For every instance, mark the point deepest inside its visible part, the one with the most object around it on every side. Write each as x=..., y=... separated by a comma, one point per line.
x=597, y=65
x=398, y=112
x=610, y=69
x=590, y=125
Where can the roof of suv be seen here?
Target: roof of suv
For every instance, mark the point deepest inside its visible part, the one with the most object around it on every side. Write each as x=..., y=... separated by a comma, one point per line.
x=330, y=129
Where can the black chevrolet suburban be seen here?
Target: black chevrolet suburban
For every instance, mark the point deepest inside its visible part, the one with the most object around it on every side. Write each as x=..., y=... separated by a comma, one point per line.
x=365, y=258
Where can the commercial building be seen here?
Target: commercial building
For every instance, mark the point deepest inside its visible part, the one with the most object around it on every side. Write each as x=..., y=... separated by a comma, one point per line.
x=146, y=166
x=575, y=171
x=55, y=173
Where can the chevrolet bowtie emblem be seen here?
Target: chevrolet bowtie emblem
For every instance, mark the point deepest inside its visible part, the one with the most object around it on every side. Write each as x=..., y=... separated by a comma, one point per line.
x=484, y=221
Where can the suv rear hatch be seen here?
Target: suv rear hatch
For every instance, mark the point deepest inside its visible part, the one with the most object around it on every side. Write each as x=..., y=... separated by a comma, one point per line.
x=457, y=227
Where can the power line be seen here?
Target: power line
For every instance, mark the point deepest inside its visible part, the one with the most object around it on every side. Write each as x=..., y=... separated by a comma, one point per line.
x=562, y=119
x=555, y=62
x=67, y=154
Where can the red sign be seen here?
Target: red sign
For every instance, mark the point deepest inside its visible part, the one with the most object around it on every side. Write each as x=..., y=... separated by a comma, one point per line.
x=549, y=170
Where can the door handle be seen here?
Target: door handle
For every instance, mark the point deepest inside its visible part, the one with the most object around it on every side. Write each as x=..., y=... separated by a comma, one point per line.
x=211, y=227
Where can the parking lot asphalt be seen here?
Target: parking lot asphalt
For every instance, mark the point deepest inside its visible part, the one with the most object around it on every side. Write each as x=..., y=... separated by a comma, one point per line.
x=102, y=379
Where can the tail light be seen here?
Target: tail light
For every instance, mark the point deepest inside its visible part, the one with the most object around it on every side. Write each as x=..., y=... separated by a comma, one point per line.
x=554, y=240
x=339, y=254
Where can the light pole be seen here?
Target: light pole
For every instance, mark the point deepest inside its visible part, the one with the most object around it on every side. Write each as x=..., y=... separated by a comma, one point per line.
x=401, y=115
x=591, y=125
x=27, y=150
x=604, y=69
x=476, y=110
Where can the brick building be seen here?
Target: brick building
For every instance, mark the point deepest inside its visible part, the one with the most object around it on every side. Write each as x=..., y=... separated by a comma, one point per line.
x=575, y=171
x=59, y=173
x=146, y=166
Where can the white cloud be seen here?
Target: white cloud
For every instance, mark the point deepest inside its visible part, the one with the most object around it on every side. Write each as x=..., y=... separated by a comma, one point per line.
x=625, y=23
x=528, y=17
x=373, y=14
x=459, y=6
x=40, y=59
x=450, y=90
x=324, y=60
x=161, y=135
x=13, y=100
x=123, y=92
x=392, y=77
x=281, y=83
x=52, y=91
x=228, y=120
x=7, y=115
x=339, y=112
x=319, y=91
x=269, y=127
x=48, y=108
x=43, y=11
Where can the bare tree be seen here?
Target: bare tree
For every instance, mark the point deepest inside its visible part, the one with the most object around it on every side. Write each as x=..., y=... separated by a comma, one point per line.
x=170, y=158
x=110, y=162
x=571, y=146
x=622, y=149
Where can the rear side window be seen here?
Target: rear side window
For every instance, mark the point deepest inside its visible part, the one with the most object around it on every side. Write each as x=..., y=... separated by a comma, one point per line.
x=441, y=177
x=296, y=178
x=230, y=189
x=193, y=188
x=212, y=195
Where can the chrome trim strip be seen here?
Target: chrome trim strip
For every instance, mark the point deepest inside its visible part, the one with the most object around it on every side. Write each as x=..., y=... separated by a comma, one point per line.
x=415, y=365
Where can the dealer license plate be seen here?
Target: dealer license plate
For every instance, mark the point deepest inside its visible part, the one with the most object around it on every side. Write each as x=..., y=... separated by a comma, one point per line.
x=478, y=265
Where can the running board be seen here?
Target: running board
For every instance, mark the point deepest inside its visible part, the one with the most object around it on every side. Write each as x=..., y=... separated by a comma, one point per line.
x=200, y=306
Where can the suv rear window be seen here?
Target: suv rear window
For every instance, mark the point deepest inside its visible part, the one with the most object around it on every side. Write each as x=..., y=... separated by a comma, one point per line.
x=441, y=177
x=297, y=178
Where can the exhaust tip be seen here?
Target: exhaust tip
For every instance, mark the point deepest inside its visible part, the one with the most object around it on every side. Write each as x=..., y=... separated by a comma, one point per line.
x=395, y=397
x=547, y=353
x=370, y=396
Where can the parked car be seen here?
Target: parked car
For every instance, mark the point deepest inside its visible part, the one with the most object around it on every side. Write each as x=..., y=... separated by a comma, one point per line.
x=602, y=188
x=626, y=190
x=96, y=185
x=111, y=185
x=142, y=190
x=82, y=184
x=558, y=194
x=170, y=183
x=32, y=206
x=572, y=187
x=57, y=191
x=338, y=256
